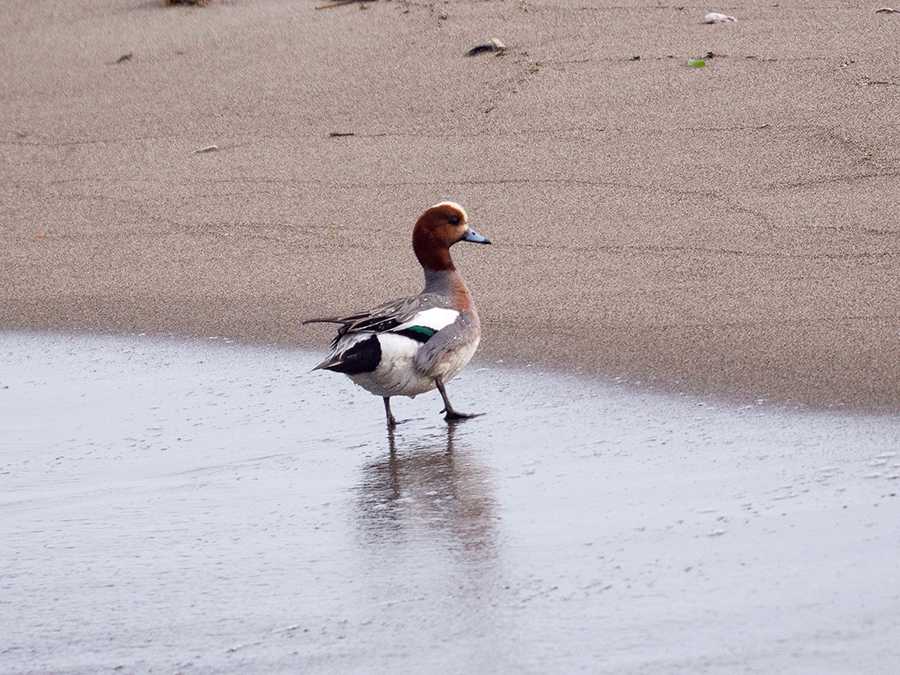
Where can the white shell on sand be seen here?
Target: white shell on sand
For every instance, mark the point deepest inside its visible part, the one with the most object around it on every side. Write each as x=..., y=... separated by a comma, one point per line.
x=716, y=17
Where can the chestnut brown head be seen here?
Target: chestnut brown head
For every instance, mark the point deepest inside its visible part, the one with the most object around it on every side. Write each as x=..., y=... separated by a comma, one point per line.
x=441, y=226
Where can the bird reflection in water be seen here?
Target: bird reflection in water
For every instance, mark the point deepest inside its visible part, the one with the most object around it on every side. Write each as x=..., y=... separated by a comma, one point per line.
x=432, y=487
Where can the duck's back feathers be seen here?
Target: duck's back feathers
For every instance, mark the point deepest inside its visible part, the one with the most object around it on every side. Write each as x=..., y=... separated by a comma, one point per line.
x=397, y=315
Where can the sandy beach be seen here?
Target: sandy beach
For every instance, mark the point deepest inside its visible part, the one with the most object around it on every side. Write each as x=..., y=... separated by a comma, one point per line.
x=724, y=229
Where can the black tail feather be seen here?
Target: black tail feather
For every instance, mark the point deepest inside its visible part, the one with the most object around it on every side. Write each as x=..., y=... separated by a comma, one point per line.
x=363, y=357
x=322, y=320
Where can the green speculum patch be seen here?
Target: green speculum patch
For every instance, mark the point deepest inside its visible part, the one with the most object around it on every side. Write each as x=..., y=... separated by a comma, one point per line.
x=418, y=333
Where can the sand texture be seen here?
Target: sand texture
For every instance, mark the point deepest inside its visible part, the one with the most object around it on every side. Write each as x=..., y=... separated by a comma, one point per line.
x=731, y=228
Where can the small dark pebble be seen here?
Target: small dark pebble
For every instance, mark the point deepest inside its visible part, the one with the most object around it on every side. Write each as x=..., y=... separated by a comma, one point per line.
x=492, y=45
x=342, y=3
x=635, y=58
x=124, y=58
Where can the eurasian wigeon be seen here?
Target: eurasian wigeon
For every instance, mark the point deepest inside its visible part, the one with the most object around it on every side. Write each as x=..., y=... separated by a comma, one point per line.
x=412, y=345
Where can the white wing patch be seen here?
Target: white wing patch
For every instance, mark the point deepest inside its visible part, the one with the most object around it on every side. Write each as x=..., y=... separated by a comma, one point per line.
x=434, y=318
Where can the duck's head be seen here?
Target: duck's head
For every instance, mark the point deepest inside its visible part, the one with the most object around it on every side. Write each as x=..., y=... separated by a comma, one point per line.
x=441, y=226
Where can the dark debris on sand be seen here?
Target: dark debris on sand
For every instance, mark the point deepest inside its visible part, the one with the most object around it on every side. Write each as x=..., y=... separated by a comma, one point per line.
x=341, y=3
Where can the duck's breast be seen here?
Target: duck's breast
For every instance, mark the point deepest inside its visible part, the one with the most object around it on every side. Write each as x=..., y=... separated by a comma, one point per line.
x=454, y=360
x=451, y=348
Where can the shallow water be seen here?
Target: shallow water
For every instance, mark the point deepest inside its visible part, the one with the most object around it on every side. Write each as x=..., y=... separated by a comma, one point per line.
x=204, y=507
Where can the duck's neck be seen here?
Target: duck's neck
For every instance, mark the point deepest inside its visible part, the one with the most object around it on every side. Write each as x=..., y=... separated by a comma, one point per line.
x=449, y=283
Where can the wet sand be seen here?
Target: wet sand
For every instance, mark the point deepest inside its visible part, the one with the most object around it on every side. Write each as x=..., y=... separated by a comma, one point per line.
x=726, y=229
x=199, y=507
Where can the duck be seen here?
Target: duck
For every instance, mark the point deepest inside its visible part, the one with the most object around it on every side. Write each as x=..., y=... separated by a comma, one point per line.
x=412, y=345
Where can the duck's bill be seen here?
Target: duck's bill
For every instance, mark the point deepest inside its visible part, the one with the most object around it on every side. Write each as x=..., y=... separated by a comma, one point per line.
x=475, y=238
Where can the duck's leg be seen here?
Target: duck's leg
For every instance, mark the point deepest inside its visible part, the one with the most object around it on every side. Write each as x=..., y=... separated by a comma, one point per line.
x=449, y=413
x=391, y=422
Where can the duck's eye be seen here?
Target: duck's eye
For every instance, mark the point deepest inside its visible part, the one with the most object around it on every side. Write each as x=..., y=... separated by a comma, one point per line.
x=453, y=220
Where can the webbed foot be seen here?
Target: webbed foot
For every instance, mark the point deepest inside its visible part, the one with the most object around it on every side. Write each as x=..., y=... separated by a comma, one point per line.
x=453, y=416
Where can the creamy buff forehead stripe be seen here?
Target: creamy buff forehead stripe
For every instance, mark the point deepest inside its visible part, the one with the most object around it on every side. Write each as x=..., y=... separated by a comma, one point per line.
x=455, y=206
